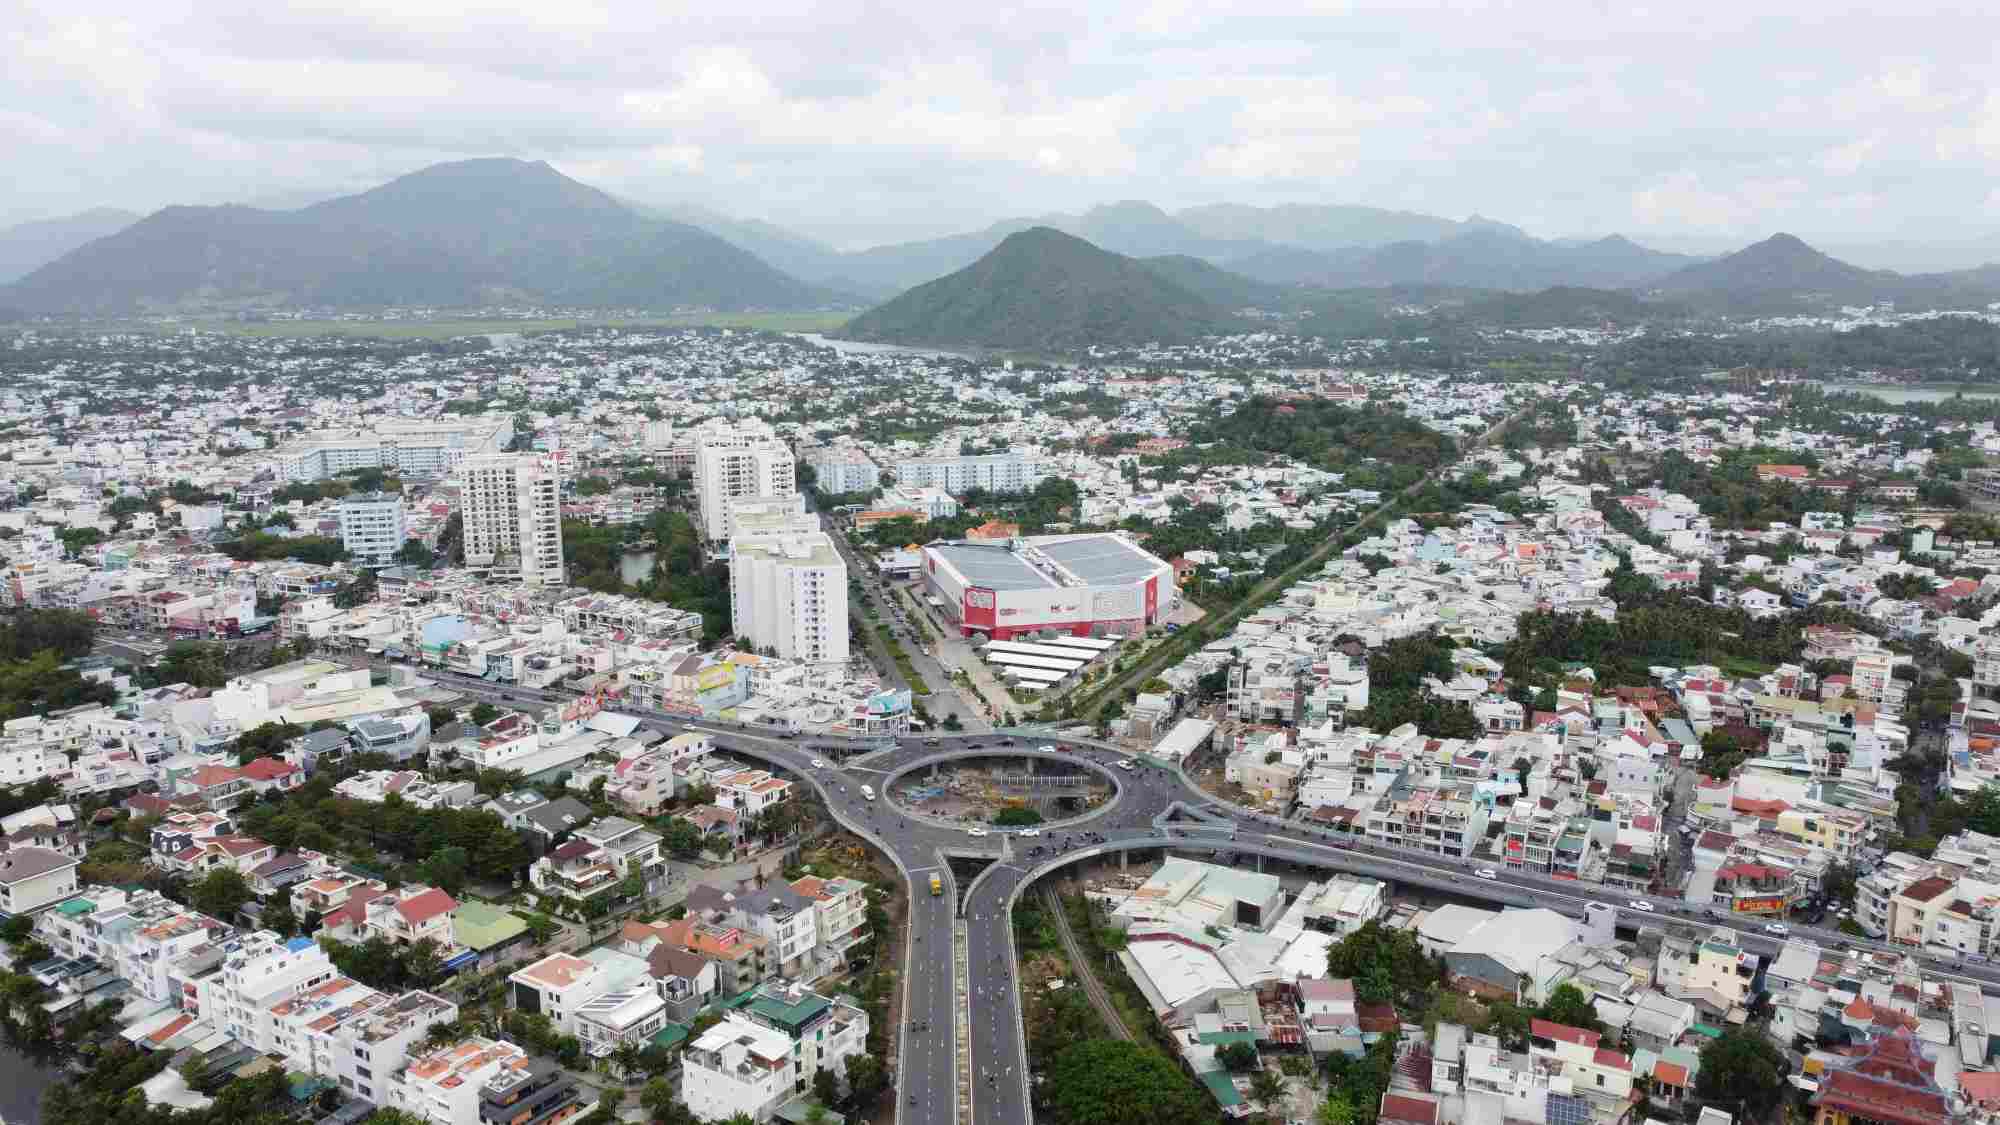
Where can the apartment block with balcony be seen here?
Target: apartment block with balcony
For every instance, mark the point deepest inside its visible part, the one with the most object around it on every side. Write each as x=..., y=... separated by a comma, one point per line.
x=1555, y=841
x=633, y=1015
x=786, y=919
x=761, y=1058
x=1757, y=889
x=841, y=915
x=511, y=504
x=533, y=1091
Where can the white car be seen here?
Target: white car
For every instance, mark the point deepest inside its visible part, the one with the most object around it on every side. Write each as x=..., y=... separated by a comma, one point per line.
x=1778, y=928
x=818, y=765
x=975, y=830
x=1487, y=873
x=1047, y=747
x=1128, y=764
x=1641, y=904
x=1031, y=831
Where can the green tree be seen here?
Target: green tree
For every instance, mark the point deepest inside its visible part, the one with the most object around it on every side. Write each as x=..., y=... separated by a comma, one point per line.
x=277, y=914
x=1237, y=1057
x=1386, y=965
x=1266, y=1088
x=1113, y=1082
x=867, y=1081
x=484, y=713
x=220, y=893
x=191, y=662
x=1742, y=1068
x=1568, y=1006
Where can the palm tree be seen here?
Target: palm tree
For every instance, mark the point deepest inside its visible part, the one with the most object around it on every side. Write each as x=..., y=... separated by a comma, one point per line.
x=1266, y=1088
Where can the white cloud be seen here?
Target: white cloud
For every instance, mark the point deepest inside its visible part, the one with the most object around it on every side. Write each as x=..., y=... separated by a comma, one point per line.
x=905, y=118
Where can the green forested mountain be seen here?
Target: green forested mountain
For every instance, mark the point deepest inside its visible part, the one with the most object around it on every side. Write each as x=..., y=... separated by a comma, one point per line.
x=1043, y=290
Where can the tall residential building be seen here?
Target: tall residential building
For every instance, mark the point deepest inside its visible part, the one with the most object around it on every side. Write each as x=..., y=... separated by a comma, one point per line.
x=372, y=527
x=739, y=464
x=842, y=468
x=788, y=592
x=1012, y=471
x=513, y=515
x=411, y=447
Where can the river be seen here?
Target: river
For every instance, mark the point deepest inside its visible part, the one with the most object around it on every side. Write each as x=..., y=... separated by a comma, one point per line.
x=1889, y=392
x=21, y=1084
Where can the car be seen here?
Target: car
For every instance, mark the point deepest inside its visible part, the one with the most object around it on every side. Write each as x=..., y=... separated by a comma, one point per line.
x=1031, y=832
x=975, y=830
x=1128, y=764
x=1047, y=747
x=1487, y=873
x=1641, y=904
x=818, y=764
x=1778, y=928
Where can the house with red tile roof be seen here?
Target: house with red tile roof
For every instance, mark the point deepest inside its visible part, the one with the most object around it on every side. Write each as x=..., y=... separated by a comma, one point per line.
x=411, y=915
x=1594, y=1071
x=268, y=774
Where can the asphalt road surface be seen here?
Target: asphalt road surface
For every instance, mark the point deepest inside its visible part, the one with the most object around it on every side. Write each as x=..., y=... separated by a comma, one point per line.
x=1142, y=815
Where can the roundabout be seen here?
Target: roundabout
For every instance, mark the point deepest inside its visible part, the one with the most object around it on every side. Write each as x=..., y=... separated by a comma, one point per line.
x=959, y=965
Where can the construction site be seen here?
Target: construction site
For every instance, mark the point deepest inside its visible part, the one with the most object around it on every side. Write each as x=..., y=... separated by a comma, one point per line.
x=985, y=789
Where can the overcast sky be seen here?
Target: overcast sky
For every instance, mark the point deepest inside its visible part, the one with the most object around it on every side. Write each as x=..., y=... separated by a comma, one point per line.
x=879, y=121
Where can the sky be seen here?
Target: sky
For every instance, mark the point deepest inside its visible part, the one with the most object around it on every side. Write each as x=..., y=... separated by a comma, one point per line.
x=1689, y=124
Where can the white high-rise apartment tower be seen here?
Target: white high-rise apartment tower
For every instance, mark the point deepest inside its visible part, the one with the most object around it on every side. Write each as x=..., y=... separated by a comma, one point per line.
x=738, y=464
x=788, y=593
x=512, y=506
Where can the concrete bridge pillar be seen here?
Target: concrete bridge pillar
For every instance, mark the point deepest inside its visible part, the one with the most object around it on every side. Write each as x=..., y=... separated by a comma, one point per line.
x=1124, y=861
x=1260, y=863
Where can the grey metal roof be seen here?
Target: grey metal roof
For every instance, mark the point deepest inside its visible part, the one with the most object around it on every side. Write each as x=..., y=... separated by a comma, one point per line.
x=17, y=864
x=1101, y=559
x=993, y=567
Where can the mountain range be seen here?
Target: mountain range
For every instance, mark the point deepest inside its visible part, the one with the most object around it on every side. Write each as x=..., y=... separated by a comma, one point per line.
x=467, y=233
x=480, y=232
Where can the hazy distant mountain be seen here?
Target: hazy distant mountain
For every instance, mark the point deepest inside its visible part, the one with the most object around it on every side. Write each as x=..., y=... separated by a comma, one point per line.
x=1218, y=286
x=27, y=247
x=1044, y=290
x=1782, y=273
x=789, y=251
x=1134, y=228
x=1779, y=264
x=1492, y=256
x=465, y=233
x=1314, y=227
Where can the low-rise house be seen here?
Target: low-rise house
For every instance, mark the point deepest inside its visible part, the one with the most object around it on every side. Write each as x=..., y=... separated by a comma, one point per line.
x=763, y=1057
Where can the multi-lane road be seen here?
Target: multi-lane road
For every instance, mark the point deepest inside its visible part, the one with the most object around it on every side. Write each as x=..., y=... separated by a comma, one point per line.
x=1154, y=807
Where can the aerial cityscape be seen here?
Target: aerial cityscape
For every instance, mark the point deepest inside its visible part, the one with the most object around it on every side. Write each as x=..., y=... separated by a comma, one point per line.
x=913, y=567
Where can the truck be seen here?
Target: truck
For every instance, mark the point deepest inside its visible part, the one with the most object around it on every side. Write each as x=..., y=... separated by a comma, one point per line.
x=937, y=883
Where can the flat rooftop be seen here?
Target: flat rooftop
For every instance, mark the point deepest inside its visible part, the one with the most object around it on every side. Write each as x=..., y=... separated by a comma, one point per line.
x=1100, y=560
x=1078, y=560
x=992, y=566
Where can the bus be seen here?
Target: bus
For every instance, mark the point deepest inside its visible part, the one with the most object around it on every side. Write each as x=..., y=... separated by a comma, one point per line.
x=937, y=884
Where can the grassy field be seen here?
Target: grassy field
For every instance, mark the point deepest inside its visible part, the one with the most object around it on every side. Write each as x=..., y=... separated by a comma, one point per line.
x=447, y=329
